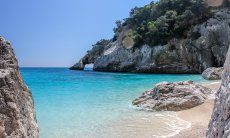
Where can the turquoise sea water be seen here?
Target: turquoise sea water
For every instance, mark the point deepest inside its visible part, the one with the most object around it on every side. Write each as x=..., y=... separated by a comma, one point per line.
x=82, y=103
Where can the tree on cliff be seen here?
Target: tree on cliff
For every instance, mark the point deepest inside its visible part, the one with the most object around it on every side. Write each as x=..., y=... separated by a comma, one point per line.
x=156, y=23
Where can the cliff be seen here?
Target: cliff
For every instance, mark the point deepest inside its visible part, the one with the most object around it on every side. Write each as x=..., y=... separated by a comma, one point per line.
x=216, y=3
x=17, y=116
x=198, y=42
x=219, y=126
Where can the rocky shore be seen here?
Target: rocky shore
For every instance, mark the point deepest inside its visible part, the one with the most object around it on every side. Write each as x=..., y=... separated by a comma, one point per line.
x=17, y=115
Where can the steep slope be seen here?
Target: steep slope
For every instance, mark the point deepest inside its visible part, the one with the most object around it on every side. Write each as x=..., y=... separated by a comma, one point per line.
x=17, y=116
x=219, y=126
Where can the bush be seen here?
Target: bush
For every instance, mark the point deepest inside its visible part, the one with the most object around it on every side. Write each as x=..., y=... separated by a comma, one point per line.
x=156, y=23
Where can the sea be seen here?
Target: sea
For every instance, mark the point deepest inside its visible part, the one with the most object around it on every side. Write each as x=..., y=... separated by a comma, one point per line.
x=89, y=104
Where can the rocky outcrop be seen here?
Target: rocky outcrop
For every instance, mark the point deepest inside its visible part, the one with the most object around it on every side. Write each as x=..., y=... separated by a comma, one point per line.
x=205, y=46
x=217, y=3
x=213, y=73
x=17, y=116
x=173, y=96
x=98, y=49
x=219, y=126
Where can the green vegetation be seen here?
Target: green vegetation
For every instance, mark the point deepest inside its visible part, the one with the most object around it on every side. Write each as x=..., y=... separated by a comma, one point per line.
x=102, y=42
x=156, y=23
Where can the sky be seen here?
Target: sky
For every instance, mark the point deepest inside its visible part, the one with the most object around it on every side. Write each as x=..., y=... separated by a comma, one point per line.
x=57, y=33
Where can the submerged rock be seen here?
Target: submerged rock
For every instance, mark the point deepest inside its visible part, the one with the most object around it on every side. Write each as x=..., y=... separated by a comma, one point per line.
x=173, y=96
x=17, y=116
x=219, y=126
x=213, y=73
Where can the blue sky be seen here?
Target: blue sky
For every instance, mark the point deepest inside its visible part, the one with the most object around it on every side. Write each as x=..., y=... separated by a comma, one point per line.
x=57, y=33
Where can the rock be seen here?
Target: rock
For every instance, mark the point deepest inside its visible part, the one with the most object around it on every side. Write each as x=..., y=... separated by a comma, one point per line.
x=216, y=3
x=17, y=116
x=213, y=73
x=219, y=126
x=78, y=66
x=206, y=46
x=97, y=50
x=173, y=96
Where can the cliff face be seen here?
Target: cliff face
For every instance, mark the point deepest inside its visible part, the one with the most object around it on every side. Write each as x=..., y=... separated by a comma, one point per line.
x=216, y=3
x=17, y=116
x=219, y=126
x=205, y=46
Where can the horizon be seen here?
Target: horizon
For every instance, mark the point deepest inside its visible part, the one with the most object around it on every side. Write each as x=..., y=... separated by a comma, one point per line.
x=54, y=37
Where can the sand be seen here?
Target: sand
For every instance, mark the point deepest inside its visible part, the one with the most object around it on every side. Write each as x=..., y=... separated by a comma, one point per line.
x=198, y=117
x=152, y=124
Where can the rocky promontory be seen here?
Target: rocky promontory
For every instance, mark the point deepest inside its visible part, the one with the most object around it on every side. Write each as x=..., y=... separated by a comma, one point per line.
x=168, y=96
x=205, y=45
x=17, y=115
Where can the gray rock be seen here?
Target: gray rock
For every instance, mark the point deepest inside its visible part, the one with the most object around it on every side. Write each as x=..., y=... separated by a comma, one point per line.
x=17, y=116
x=213, y=73
x=208, y=48
x=219, y=126
x=173, y=96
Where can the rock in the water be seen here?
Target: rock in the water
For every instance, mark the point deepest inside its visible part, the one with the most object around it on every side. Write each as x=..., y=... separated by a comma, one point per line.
x=213, y=73
x=17, y=116
x=219, y=126
x=173, y=96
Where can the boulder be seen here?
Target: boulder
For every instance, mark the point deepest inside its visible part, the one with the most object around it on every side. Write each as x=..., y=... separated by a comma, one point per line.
x=213, y=73
x=219, y=126
x=17, y=115
x=175, y=96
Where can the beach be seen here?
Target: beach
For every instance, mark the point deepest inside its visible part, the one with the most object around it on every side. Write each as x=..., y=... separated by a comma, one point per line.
x=199, y=117
x=191, y=123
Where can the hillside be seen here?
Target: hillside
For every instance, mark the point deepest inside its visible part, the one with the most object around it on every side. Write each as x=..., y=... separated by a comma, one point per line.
x=170, y=36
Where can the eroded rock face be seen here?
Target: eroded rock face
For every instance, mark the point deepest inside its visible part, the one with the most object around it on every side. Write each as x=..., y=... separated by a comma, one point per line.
x=213, y=73
x=217, y=3
x=219, y=126
x=173, y=96
x=17, y=116
x=205, y=47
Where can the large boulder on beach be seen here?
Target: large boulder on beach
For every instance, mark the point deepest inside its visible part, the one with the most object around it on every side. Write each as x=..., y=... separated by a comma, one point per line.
x=17, y=115
x=175, y=96
x=219, y=126
x=213, y=73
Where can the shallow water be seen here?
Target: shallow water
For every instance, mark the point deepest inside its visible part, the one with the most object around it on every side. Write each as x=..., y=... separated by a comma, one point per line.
x=86, y=104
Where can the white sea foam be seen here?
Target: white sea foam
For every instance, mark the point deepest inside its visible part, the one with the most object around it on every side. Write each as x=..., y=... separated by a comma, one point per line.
x=176, y=126
x=172, y=122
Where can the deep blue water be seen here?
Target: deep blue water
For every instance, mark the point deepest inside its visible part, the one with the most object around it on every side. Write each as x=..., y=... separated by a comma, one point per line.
x=76, y=103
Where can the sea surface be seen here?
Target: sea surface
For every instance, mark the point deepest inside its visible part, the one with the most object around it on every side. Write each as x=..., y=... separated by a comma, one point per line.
x=88, y=104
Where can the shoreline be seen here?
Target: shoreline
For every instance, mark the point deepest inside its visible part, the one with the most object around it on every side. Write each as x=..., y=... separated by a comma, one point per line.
x=191, y=123
x=199, y=116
